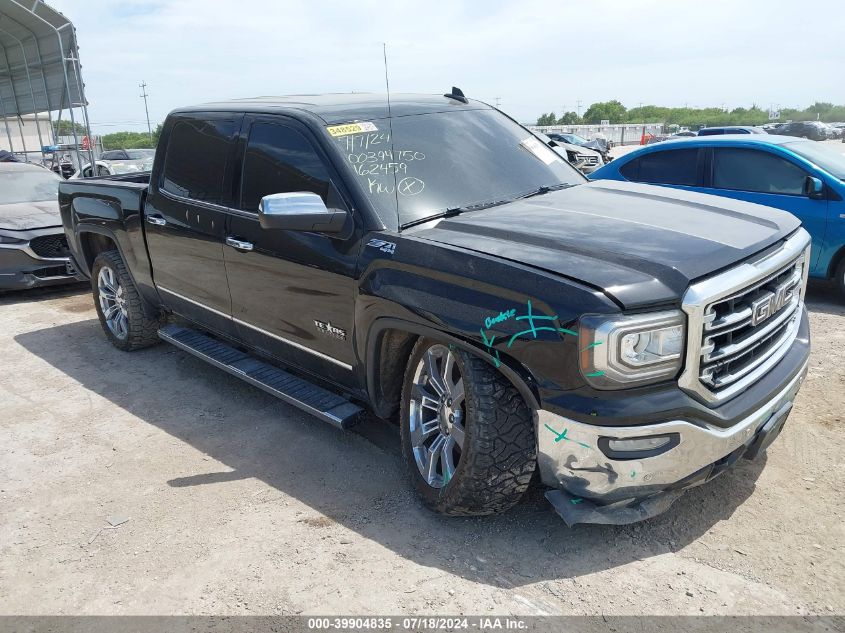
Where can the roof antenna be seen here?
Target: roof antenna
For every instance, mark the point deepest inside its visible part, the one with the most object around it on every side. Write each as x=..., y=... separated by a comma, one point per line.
x=457, y=94
x=390, y=126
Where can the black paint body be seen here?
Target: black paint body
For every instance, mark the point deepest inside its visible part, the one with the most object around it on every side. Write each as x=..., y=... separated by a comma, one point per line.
x=596, y=248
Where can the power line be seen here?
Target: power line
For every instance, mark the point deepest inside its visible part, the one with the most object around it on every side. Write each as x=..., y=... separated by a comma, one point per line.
x=143, y=87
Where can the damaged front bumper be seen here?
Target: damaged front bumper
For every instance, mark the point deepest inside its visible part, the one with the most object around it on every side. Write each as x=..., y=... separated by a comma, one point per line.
x=591, y=487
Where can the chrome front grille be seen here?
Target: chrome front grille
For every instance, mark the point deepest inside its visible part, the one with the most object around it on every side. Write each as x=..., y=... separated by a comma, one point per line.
x=589, y=161
x=745, y=329
x=743, y=321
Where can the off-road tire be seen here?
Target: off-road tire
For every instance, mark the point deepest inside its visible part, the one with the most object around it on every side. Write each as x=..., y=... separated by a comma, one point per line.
x=499, y=454
x=141, y=327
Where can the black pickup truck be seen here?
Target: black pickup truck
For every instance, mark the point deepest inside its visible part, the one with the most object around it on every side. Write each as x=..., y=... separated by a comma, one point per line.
x=431, y=260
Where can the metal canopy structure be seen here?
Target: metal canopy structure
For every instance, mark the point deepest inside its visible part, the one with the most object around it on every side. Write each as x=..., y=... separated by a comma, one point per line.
x=40, y=72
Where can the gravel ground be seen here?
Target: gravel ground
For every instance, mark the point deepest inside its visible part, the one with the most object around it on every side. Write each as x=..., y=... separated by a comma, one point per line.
x=236, y=503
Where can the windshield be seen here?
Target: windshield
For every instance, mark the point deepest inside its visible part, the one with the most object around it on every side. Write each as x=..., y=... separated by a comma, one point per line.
x=28, y=186
x=828, y=159
x=140, y=154
x=444, y=161
x=575, y=139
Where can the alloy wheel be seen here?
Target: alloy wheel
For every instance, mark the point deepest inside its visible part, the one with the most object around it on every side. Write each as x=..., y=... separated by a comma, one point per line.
x=438, y=415
x=113, y=302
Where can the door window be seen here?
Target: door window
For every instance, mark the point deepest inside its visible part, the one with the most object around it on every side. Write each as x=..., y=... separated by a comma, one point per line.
x=760, y=172
x=672, y=167
x=197, y=152
x=280, y=160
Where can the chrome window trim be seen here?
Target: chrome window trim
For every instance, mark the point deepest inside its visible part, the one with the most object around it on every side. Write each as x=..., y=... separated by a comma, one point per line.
x=326, y=357
x=703, y=293
x=208, y=205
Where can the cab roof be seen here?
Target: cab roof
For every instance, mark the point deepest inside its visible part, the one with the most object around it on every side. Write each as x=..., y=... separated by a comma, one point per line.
x=762, y=139
x=342, y=107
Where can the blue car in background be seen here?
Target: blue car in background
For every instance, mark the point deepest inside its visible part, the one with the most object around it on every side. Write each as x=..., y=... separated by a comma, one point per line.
x=803, y=177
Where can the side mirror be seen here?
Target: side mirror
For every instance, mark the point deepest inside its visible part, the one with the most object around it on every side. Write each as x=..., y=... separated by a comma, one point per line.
x=299, y=211
x=814, y=188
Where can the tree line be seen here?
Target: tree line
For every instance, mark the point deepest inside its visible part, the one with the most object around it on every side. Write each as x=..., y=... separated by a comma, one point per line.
x=615, y=112
x=115, y=140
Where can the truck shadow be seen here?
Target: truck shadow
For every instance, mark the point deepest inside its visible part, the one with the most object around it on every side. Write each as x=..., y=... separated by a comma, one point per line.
x=825, y=297
x=356, y=479
x=47, y=293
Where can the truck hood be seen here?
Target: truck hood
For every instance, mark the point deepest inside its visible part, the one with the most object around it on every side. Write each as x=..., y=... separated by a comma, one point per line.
x=640, y=244
x=24, y=216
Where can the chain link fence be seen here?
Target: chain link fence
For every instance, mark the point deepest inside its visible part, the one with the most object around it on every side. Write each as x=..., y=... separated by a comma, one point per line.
x=621, y=134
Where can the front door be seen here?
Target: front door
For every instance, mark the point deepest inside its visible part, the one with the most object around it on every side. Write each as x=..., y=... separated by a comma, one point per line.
x=292, y=291
x=185, y=218
x=765, y=178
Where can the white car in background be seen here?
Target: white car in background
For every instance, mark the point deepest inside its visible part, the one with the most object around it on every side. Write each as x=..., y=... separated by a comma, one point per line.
x=117, y=162
x=584, y=159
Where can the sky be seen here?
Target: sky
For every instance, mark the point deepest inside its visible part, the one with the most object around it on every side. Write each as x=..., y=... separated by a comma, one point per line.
x=533, y=55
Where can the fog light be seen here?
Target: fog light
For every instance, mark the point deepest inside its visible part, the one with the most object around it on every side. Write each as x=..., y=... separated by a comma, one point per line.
x=639, y=443
x=638, y=447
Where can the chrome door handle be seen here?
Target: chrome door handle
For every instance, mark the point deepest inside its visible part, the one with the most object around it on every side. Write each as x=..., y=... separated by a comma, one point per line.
x=156, y=219
x=239, y=244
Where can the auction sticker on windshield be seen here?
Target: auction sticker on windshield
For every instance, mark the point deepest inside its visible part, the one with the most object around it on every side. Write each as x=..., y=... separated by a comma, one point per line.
x=351, y=128
x=536, y=147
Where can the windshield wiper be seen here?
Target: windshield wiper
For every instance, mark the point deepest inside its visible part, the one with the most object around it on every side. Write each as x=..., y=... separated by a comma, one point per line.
x=453, y=211
x=544, y=190
x=448, y=213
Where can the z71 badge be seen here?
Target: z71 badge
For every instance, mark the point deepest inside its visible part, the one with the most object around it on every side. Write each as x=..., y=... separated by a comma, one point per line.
x=327, y=328
x=384, y=247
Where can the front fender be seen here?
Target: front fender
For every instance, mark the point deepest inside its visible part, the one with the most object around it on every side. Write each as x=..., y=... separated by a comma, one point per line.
x=516, y=374
x=519, y=319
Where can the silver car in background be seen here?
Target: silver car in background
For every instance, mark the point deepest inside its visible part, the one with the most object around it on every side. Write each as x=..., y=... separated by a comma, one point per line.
x=117, y=162
x=584, y=159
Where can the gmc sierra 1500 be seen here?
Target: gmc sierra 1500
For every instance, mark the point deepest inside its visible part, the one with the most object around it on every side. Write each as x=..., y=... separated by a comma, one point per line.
x=432, y=260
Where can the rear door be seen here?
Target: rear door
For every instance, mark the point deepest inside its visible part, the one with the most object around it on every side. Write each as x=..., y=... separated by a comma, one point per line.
x=292, y=291
x=682, y=168
x=186, y=214
x=763, y=177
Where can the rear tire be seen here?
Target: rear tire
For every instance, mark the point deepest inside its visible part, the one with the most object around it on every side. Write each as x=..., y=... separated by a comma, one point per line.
x=467, y=435
x=840, y=277
x=120, y=306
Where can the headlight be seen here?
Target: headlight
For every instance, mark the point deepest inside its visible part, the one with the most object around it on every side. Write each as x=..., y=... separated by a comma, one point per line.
x=803, y=266
x=626, y=351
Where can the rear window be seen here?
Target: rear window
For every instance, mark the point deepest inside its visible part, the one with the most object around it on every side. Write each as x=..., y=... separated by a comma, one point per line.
x=670, y=167
x=711, y=131
x=197, y=153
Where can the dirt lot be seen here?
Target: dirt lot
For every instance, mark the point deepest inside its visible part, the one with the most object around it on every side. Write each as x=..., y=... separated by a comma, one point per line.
x=238, y=503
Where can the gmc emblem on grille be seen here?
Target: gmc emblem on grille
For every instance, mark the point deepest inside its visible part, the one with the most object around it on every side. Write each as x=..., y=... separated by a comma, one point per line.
x=771, y=302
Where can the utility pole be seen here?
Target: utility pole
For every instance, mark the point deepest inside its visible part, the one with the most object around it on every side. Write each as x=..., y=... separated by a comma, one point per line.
x=578, y=107
x=144, y=95
x=498, y=103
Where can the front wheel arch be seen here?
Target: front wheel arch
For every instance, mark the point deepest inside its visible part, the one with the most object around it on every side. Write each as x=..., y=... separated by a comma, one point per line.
x=835, y=261
x=511, y=369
